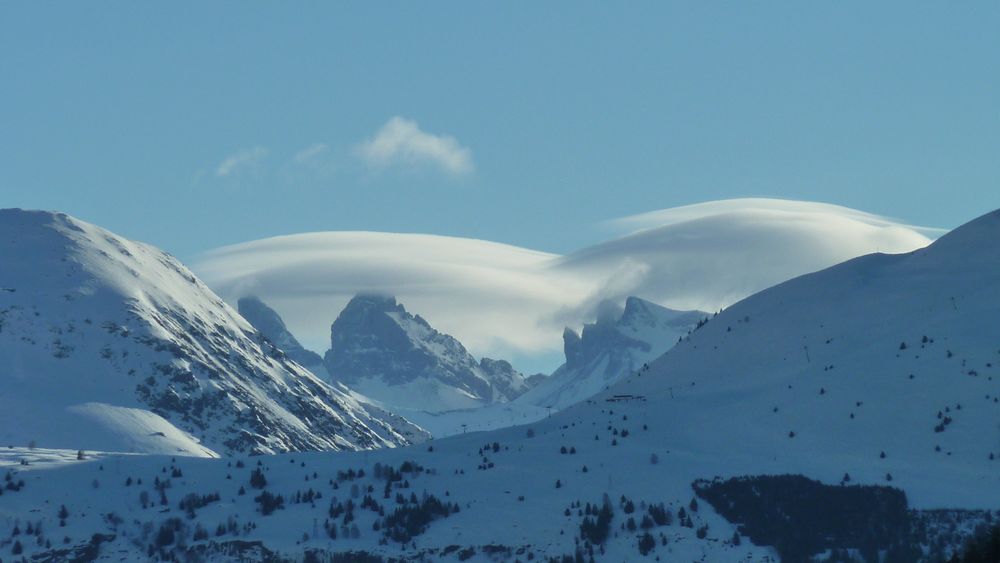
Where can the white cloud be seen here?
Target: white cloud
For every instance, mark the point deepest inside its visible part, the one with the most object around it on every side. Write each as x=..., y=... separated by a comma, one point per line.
x=673, y=215
x=500, y=299
x=240, y=160
x=401, y=141
x=311, y=152
x=309, y=278
x=710, y=255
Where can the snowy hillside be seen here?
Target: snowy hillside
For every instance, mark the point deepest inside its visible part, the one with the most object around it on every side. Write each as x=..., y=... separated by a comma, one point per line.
x=618, y=344
x=880, y=372
x=397, y=359
x=883, y=367
x=123, y=349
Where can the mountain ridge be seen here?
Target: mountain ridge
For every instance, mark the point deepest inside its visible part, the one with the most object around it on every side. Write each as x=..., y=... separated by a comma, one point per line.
x=267, y=321
x=619, y=342
x=93, y=323
x=398, y=358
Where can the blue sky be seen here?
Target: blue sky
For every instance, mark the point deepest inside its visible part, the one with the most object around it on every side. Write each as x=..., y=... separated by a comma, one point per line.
x=525, y=123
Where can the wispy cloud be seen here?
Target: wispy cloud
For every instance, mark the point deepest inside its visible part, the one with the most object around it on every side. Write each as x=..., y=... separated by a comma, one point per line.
x=240, y=160
x=311, y=153
x=401, y=141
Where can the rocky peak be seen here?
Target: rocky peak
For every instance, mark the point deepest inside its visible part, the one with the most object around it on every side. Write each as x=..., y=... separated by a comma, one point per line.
x=616, y=344
x=267, y=321
x=571, y=346
x=639, y=311
x=379, y=348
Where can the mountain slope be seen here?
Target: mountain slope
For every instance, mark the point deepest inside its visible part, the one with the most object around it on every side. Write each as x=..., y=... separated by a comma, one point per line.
x=610, y=349
x=384, y=352
x=97, y=331
x=884, y=354
x=267, y=322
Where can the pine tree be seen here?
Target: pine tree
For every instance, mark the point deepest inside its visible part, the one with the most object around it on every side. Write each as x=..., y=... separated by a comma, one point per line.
x=257, y=479
x=646, y=544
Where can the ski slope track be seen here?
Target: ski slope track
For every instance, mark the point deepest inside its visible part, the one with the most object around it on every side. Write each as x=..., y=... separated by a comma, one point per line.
x=108, y=344
x=828, y=375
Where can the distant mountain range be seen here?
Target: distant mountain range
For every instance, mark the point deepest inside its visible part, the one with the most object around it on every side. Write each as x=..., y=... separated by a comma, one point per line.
x=611, y=348
x=392, y=358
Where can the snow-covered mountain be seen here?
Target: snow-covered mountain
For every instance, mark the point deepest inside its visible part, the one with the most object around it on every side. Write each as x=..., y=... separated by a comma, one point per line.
x=881, y=372
x=437, y=423
x=267, y=322
x=397, y=359
x=114, y=345
x=618, y=344
x=885, y=367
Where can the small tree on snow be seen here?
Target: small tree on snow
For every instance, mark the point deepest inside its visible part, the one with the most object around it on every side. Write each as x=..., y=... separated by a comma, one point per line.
x=257, y=479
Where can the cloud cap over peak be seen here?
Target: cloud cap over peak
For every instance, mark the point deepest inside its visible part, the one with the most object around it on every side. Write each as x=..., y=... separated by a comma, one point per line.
x=502, y=300
x=762, y=207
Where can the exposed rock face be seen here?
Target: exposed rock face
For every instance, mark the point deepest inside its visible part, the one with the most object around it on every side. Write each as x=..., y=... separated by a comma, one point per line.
x=398, y=359
x=572, y=348
x=610, y=348
x=267, y=321
x=506, y=380
x=536, y=379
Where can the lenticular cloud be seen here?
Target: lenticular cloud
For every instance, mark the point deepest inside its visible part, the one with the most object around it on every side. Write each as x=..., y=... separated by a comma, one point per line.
x=481, y=291
x=710, y=255
x=500, y=299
